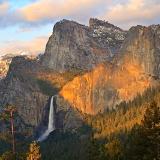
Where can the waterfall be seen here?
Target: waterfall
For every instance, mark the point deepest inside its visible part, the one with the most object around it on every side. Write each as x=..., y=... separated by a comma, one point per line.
x=51, y=124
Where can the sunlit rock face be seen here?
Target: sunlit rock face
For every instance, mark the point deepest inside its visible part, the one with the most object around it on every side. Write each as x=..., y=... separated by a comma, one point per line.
x=104, y=87
x=4, y=65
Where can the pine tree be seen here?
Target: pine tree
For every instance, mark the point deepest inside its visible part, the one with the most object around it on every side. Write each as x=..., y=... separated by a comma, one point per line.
x=93, y=150
x=7, y=156
x=151, y=130
x=114, y=149
x=34, y=152
x=145, y=139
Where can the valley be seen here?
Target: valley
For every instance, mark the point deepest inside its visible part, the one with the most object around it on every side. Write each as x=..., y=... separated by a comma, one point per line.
x=88, y=96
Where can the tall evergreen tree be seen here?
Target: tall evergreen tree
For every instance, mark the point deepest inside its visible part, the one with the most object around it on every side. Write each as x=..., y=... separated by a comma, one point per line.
x=93, y=150
x=114, y=149
x=7, y=156
x=151, y=130
x=145, y=139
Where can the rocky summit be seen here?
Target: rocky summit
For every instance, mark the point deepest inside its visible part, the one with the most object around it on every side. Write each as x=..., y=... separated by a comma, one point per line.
x=79, y=47
x=89, y=68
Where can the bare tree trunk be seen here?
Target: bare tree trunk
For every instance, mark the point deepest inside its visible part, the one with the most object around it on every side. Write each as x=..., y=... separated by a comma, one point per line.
x=12, y=131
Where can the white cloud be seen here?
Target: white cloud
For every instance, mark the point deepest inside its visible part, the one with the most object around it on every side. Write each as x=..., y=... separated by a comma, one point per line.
x=46, y=11
x=42, y=12
x=134, y=12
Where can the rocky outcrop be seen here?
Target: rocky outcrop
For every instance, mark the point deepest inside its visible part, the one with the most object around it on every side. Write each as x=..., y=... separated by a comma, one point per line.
x=107, y=34
x=20, y=89
x=142, y=46
x=5, y=61
x=4, y=65
x=73, y=46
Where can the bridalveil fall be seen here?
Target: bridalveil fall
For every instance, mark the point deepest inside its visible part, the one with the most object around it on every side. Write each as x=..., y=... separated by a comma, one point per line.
x=51, y=122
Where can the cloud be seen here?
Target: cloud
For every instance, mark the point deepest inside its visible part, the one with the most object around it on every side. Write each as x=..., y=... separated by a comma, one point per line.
x=46, y=11
x=34, y=46
x=49, y=10
x=134, y=12
x=4, y=6
x=7, y=16
x=42, y=12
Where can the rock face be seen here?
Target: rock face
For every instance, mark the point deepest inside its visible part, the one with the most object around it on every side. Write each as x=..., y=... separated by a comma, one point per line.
x=74, y=46
x=25, y=88
x=102, y=89
x=107, y=34
x=142, y=45
x=66, y=117
x=21, y=90
x=4, y=65
x=5, y=61
x=90, y=69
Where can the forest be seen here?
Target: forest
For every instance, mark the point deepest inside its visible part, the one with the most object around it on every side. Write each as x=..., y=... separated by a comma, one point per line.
x=130, y=131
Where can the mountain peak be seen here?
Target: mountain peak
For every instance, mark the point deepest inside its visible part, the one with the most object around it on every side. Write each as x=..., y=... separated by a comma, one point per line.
x=66, y=25
x=72, y=46
x=107, y=34
x=94, y=23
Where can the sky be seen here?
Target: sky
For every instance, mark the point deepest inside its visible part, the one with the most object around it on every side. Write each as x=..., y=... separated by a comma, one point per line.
x=25, y=25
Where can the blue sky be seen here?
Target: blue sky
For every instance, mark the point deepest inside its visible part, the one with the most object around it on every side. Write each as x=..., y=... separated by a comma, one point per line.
x=19, y=3
x=25, y=25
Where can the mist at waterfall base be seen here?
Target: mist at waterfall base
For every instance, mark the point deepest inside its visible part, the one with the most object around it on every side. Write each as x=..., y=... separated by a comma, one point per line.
x=51, y=124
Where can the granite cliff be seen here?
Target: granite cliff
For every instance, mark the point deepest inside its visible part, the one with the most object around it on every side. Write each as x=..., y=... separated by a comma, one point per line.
x=142, y=46
x=75, y=46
